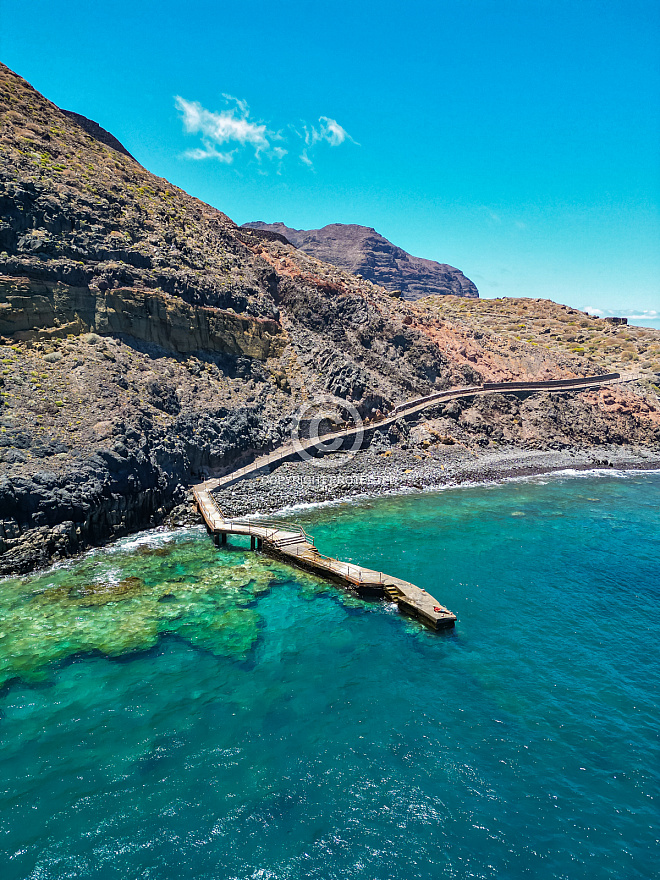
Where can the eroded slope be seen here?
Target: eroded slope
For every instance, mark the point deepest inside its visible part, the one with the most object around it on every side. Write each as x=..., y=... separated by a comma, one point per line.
x=145, y=338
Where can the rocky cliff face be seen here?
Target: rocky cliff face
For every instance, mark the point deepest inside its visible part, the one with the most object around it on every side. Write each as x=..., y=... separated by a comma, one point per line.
x=32, y=310
x=145, y=338
x=361, y=250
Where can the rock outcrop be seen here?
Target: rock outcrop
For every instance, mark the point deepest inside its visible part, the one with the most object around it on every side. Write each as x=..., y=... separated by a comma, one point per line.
x=361, y=250
x=31, y=310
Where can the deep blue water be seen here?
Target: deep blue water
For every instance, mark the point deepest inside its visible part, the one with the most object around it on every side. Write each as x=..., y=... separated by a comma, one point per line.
x=217, y=716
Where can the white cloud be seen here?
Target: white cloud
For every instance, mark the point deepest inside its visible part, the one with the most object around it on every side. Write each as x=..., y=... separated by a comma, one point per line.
x=235, y=127
x=329, y=130
x=209, y=152
x=333, y=132
x=231, y=125
x=645, y=314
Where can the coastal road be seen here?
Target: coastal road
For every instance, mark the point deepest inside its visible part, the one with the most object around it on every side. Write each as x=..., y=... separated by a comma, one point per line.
x=289, y=451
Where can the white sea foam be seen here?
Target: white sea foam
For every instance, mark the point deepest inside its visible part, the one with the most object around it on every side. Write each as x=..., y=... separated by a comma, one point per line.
x=543, y=479
x=292, y=509
x=621, y=473
x=113, y=576
x=152, y=538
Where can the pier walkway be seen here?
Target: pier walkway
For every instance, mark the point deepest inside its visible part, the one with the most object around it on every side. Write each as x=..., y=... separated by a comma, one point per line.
x=292, y=544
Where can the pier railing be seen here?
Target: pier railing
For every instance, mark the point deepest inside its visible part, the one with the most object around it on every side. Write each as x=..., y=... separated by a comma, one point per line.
x=257, y=528
x=291, y=542
x=270, y=527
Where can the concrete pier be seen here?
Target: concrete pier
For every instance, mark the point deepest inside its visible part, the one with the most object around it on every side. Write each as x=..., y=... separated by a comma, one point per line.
x=292, y=544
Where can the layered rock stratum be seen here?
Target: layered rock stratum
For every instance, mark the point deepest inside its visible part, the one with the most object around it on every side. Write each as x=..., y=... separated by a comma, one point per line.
x=363, y=251
x=145, y=339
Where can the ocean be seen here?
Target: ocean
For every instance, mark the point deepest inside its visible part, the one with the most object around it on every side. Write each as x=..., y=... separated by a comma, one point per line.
x=170, y=710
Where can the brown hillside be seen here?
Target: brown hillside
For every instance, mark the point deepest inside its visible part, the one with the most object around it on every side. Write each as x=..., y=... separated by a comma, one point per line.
x=145, y=337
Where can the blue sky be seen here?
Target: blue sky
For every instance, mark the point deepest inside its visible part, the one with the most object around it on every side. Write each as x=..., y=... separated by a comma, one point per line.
x=516, y=140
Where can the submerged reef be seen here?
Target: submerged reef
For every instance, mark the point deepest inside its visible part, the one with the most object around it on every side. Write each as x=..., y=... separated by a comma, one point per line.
x=124, y=598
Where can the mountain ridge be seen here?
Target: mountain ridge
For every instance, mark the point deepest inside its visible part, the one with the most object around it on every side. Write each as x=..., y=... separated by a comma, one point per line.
x=93, y=129
x=363, y=251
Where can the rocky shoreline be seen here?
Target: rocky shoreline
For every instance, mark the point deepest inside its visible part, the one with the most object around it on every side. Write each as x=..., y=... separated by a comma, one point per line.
x=371, y=473
x=375, y=474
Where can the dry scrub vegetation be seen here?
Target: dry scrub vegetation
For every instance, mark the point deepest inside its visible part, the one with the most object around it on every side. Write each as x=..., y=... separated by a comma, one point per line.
x=514, y=326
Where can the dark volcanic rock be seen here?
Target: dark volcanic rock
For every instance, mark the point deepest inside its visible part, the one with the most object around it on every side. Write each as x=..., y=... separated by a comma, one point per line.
x=362, y=250
x=100, y=134
x=146, y=340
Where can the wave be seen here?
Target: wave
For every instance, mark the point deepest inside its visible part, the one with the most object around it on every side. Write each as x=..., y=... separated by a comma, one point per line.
x=153, y=537
x=542, y=479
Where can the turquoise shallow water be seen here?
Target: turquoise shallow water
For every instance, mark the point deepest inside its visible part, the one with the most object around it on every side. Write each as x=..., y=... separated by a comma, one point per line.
x=173, y=711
